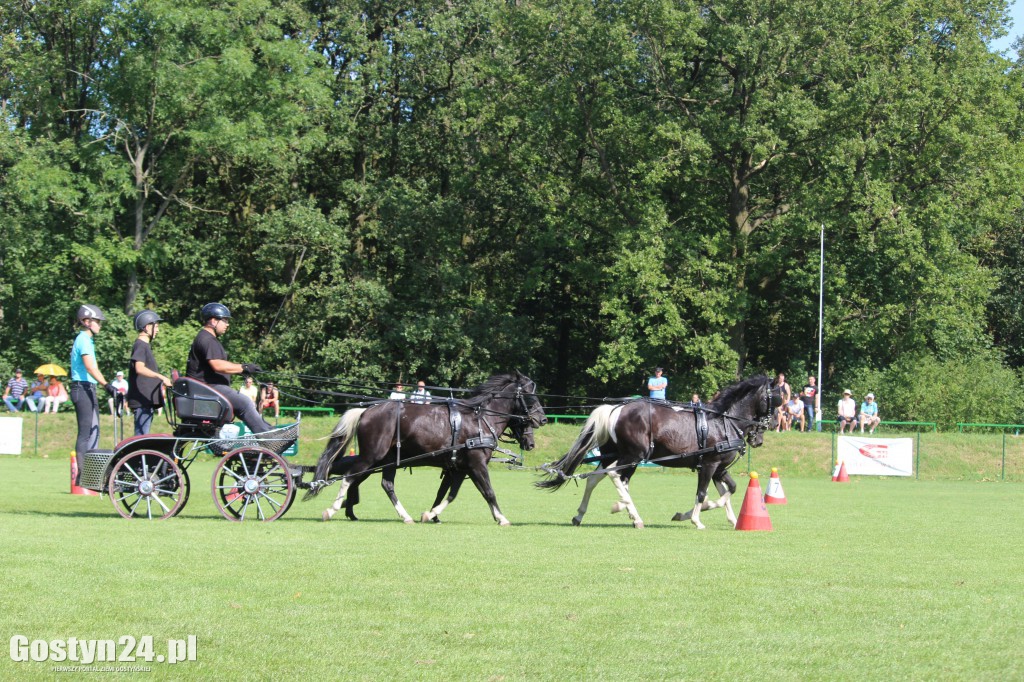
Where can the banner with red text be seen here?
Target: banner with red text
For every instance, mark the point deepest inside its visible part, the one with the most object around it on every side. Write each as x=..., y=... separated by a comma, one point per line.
x=876, y=456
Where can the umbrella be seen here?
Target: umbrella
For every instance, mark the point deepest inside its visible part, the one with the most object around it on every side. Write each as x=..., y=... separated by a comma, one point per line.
x=51, y=370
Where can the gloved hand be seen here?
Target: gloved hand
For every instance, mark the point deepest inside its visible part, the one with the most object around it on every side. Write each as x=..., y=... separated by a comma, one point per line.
x=110, y=389
x=251, y=368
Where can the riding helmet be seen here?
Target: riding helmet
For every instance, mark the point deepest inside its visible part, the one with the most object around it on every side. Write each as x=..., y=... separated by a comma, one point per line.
x=217, y=310
x=90, y=312
x=145, y=317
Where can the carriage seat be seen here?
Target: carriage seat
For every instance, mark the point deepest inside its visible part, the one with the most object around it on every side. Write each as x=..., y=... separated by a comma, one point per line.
x=199, y=403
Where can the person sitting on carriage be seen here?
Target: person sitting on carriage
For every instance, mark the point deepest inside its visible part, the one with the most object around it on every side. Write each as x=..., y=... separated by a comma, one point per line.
x=208, y=363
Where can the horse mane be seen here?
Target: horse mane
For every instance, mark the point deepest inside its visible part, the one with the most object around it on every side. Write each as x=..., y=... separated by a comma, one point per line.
x=730, y=394
x=483, y=393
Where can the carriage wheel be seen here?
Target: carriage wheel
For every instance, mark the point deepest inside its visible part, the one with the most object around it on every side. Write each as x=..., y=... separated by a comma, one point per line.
x=186, y=487
x=147, y=484
x=252, y=483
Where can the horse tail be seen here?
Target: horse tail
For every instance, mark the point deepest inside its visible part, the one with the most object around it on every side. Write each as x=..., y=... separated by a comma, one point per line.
x=340, y=437
x=595, y=432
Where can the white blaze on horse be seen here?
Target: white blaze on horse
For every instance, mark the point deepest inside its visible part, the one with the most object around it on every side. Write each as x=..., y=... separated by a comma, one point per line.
x=707, y=439
x=457, y=435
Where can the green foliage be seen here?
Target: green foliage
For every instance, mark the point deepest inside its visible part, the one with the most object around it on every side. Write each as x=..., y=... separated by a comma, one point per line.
x=580, y=190
x=975, y=389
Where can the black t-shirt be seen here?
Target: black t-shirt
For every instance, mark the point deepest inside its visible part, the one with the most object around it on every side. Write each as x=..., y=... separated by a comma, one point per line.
x=206, y=347
x=143, y=391
x=807, y=395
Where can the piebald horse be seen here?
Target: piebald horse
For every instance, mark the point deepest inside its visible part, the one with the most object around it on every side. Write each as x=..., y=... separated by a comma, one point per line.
x=459, y=436
x=656, y=431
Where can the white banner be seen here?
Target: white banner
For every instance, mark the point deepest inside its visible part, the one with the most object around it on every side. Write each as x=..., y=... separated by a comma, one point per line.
x=876, y=456
x=10, y=435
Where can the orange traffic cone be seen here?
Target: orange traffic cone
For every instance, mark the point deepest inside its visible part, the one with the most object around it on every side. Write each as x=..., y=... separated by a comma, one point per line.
x=775, y=494
x=77, y=489
x=840, y=476
x=753, y=513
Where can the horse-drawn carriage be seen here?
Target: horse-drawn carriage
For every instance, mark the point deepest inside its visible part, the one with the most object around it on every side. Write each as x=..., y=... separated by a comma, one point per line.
x=147, y=476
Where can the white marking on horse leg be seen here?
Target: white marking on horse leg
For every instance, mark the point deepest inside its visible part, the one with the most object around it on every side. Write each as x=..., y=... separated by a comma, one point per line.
x=592, y=482
x=695, y=516
x=499, y=517
x=625, y=501
x=338, y=502
x=402, y=514
x=726, y=502
x=435, y=512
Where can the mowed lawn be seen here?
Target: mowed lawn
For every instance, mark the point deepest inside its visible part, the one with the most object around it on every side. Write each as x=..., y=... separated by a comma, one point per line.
x=876, y=579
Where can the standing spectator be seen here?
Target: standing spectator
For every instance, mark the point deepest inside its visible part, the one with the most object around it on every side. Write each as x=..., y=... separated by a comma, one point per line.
x=421, y=395
x=145, y=388
x=847, y=410
x=116, y=401
x=249, y=389
x=695, y=401
x=208, y=363
x=781, y=392
x=398, y=393
x=36, y=399
x=657, y=385
x=55, y=396
x=16, y=392
x=812, y=402
x=85, y=376
x=271, y=398
x=869, y=413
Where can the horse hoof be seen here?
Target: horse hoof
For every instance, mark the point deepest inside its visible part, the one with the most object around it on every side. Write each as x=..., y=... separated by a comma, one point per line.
x=576, y=520
x=326, y=516
x=617, y=507
x=698, y=526
x=504, y=522
x=639, y=525
x=425, y=517
x=436, y=519
x=408, y=520
x=679, y=517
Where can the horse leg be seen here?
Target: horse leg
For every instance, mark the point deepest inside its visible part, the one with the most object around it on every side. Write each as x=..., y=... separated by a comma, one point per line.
x=625, y=501
x=685, y=516
x=450, y=484
x=352, y=499
x=336, y=507
x=482, y=480
x=592, y=482
x=387, y=482
x=726, y=481
x=704, y=476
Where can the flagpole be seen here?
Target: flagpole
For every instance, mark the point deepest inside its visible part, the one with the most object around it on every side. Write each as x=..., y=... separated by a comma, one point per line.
x=821, y=311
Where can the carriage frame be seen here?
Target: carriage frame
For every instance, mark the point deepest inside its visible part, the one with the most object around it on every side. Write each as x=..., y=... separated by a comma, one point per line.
x=147, y=476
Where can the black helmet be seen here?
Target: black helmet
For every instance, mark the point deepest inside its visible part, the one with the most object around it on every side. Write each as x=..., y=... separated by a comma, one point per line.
x=90, y=312
x=145, y=317
x=211, y=310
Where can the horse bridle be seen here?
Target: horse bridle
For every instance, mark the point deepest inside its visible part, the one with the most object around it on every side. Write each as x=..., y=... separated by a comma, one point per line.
x=521, y=425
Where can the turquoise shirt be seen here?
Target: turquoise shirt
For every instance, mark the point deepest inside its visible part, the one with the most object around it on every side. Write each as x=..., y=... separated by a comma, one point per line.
x=870, y=409
x=657, y=386
x=83, y=346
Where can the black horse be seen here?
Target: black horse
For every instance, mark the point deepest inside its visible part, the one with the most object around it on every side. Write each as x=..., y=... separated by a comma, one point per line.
x=459, y=436
x=646, y=430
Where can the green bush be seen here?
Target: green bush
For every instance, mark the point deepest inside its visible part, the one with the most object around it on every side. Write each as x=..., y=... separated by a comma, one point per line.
x=967, y=389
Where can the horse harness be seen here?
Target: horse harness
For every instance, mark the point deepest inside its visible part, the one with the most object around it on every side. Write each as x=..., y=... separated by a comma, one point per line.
x=702, y=431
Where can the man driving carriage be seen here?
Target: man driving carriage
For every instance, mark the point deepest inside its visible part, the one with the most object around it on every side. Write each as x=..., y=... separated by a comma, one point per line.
x=208, y=363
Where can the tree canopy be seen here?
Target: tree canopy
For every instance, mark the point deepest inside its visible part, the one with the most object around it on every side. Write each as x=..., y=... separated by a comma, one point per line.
x=580, y=189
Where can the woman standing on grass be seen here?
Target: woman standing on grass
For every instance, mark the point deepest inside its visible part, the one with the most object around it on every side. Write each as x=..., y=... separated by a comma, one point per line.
x=85, y=375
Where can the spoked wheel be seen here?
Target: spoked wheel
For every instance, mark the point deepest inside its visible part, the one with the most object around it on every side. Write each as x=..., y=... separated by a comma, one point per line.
x=252, y=484
x=147, y=484
x=186, y=487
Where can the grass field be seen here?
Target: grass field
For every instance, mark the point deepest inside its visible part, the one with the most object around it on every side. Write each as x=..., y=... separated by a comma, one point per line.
x=876, y=579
